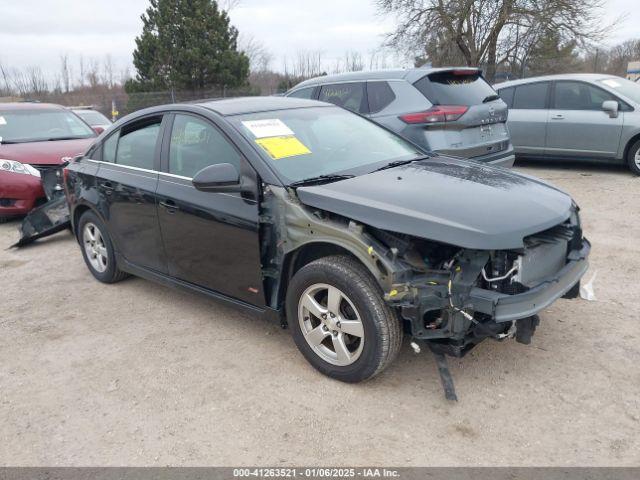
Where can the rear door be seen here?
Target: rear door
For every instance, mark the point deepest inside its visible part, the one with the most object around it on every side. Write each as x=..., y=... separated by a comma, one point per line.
x=528, y=112
x=127, y=180
x=469, y=118
x=211, y=239
x=578, y=127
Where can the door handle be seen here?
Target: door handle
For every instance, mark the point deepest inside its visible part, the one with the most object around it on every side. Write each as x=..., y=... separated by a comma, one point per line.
x=557, y=117
x=107, y=187
x=170, y=205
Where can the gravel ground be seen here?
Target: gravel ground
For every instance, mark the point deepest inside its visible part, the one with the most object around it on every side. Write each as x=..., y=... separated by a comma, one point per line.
x=138, y=374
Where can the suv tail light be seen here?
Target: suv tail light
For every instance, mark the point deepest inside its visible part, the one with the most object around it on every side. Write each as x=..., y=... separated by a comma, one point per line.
x=436, y=114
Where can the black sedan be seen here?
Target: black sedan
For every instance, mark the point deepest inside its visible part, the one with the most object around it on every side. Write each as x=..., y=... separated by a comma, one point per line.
x=335, y=226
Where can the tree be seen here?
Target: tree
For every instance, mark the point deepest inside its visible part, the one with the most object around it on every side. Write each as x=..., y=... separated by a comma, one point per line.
x=187, y=45
x=487, y=32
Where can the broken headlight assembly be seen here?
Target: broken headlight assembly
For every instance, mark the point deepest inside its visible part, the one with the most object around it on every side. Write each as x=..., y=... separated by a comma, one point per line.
x=17, y=167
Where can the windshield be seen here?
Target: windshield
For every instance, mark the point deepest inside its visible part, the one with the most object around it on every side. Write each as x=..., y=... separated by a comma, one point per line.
x=18, y=126
x=308, y=142
x=92, y=117
x=624, y=87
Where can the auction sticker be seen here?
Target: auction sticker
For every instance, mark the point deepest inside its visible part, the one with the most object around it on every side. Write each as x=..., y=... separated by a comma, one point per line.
x=283, y=147
x=2, y=121
x=272, y=127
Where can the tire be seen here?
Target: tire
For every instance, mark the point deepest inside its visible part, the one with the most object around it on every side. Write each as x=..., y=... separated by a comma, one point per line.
x=97, y=249
x=370, y=347
x=633, y=158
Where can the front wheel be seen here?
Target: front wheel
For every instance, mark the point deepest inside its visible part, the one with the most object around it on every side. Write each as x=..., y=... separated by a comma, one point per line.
x=339, y=320
x=633, y=158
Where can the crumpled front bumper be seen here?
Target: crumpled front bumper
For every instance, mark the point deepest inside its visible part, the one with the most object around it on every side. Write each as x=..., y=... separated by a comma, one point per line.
x=506, y=308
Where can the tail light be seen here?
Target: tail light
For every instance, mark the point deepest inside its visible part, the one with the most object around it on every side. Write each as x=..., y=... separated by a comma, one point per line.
x=436, y=114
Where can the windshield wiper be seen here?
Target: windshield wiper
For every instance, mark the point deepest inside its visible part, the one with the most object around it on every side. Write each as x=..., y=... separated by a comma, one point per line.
x=490, y=98
x=320, y=179
x=398, y=163
x=8, y=142
x=53, y=139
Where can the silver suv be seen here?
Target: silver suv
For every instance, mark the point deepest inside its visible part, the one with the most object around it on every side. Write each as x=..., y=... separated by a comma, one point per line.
x=452, y=111
x=579, y=116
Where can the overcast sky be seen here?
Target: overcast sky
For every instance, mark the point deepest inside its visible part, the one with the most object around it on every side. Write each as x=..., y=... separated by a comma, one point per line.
x=37, y=32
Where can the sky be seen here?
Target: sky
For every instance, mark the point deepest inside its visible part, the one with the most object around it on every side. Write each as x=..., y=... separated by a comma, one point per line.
x=37, y=32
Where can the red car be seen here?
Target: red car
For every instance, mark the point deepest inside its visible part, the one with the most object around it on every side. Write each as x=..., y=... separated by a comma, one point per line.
x=33, y=138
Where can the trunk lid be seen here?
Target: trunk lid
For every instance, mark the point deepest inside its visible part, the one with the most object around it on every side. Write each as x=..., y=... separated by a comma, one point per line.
x=481, y=129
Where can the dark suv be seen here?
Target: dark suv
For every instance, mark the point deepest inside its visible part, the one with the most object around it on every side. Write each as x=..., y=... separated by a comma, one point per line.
x=452, y=111
x=307, y=213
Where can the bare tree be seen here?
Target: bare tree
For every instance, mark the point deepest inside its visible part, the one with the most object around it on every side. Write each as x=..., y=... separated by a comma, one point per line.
x=108, y=75
x=260, y=57
x=65, y=73
x=228, y=5
x=488, y=31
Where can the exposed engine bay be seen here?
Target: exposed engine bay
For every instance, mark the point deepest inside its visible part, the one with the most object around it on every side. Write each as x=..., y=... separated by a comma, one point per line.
x=449, y=297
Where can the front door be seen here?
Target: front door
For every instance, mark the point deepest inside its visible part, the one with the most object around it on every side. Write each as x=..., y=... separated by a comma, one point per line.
x=210, y=239
x=127, y=181
x=578, y=127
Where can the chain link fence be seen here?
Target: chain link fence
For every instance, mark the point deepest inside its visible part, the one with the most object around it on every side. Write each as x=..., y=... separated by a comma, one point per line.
x=116, y=103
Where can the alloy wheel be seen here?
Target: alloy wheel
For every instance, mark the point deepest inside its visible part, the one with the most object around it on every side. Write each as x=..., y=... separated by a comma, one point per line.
x=331, y=324
x=95, y=247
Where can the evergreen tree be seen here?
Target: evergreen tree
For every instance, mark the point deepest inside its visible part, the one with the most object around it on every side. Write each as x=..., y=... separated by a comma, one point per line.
x=187, y=45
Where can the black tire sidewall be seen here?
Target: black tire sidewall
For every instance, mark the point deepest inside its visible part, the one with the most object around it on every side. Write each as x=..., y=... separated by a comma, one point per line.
x=110, y=274
x=367, y=363
x=631, y=158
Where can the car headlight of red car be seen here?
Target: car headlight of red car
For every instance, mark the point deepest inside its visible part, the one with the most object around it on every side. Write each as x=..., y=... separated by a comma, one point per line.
x=17, y=167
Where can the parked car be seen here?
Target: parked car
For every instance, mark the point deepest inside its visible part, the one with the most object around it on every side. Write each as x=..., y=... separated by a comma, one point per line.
x=304, y=212
x=34, y=137
x=452, y=111
x=95, y=119
x=575, y=117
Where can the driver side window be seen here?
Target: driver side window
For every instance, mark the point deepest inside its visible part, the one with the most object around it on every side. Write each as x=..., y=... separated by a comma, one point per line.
x=196, y=144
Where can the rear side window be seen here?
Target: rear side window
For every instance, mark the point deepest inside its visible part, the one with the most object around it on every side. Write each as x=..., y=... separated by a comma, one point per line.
x=455, y=87
x=380, y=96
x=302, y=93
x=109, y=148
x=137, y=144
x=345, y=95
x=531, y=97
x=506, y=94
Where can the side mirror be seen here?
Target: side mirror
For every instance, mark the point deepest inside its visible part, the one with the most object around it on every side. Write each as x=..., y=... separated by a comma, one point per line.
x=98, y=130
x=221, y=177
x=611, y=107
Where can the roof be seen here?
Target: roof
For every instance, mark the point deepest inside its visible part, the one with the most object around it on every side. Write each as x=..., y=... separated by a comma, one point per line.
x=240, y=105
x=588, y=77
x=409, y=74
x=29, y=106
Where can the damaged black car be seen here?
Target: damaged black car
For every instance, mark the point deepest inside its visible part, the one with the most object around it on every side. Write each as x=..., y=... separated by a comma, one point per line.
x=338, y=228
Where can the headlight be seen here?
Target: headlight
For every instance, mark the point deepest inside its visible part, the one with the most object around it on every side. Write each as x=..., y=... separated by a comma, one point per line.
x=17, y=167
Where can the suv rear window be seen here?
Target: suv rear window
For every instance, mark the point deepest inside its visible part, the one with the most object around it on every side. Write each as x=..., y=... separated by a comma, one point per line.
x=454, y=87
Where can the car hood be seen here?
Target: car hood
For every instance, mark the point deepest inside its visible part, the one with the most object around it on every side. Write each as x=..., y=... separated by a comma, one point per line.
x=462, y=203
x=44, y=153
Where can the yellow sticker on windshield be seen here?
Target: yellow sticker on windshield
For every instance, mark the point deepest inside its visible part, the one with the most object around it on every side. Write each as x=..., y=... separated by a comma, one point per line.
x=283, y=147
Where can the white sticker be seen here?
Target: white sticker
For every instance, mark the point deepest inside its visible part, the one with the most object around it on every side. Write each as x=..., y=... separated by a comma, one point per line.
x=2, y=121
x=272, y=127
x=611, y=83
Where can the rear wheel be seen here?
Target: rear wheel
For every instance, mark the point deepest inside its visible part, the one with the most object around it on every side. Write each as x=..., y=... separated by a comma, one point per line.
x=339, y=320
x=97, y=249
x=633, y=158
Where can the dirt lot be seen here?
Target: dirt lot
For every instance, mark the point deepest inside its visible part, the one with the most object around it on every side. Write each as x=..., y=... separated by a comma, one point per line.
x=137, y=374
